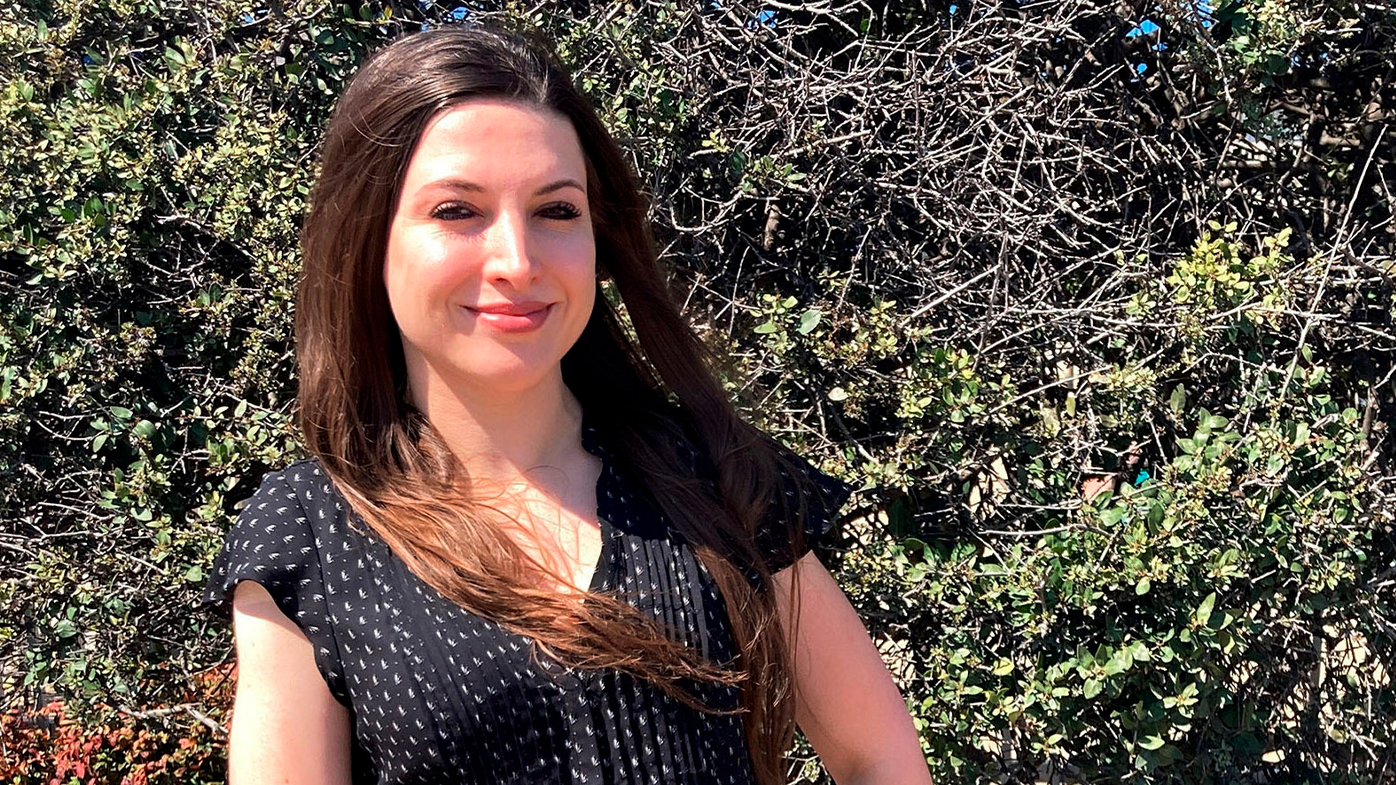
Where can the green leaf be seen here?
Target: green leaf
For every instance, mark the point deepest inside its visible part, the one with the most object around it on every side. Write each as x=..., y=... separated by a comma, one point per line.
x=1142, y=587
x=1204, y=611
x=1120, y=662
x=1155, y=513
x=808, y=321
x=1178, y=399
x=1151, y=742
x=765, y=328
x=1093, y=688
x=121, y=412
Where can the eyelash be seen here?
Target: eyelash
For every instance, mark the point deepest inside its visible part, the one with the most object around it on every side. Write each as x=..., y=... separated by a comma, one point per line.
x=442, y=213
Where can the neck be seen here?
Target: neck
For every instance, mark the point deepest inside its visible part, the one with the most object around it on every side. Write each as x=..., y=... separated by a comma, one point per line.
x=500, y=438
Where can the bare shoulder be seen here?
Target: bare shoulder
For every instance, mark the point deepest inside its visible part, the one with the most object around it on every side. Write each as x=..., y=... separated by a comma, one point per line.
x=845, y=699
x=287, y=727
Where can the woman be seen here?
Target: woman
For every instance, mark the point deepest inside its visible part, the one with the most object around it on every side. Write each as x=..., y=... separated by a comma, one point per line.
x=527, y=548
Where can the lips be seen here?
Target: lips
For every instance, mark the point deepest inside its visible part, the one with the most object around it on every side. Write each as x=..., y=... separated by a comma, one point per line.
x=522, y=308
x=512, y=317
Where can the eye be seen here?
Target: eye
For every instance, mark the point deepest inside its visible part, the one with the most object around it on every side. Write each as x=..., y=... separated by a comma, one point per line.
x=561, y=211
x=452, y=211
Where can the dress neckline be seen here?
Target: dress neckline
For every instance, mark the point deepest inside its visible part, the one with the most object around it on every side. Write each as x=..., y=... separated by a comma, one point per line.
x=593, y=443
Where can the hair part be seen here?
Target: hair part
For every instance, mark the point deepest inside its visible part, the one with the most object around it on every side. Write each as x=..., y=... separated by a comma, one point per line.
x=648, y=397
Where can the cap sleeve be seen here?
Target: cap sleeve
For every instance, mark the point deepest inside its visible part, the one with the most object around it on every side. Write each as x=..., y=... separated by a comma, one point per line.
x=828, y=496
x=272, y=543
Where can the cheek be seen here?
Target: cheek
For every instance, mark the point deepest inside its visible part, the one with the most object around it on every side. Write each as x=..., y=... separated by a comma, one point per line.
x=421, y=266
x=572, y=254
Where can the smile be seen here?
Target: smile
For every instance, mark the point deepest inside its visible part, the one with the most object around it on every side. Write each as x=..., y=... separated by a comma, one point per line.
x=511, y=323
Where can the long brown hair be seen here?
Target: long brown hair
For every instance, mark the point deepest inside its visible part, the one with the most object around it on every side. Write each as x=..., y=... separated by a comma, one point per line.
x=648, y=397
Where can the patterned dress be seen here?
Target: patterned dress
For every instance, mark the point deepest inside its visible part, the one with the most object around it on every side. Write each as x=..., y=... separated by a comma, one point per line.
x=440, y=695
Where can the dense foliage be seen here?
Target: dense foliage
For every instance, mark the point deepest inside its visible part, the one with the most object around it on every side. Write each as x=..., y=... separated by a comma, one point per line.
x=1091, y=299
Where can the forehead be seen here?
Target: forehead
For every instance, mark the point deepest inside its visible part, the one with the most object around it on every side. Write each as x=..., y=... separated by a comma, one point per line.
x=492, y=138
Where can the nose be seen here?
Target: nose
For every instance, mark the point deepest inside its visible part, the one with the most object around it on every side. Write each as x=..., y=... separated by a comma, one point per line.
x=507, y=255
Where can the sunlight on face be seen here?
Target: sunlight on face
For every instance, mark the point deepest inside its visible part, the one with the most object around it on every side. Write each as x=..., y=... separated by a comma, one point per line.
x=491, y=261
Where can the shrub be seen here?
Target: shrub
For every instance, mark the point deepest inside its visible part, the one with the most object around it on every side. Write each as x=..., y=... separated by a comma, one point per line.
x=149, y=748
x=1091, y=300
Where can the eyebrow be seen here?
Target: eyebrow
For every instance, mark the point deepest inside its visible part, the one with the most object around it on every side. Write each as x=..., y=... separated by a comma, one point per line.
x=466, y=185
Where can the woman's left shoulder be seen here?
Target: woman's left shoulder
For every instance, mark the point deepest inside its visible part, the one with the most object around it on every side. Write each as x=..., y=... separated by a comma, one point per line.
x=808, y=513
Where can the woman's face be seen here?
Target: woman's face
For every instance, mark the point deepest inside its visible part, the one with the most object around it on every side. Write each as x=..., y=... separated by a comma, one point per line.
x=491, y=261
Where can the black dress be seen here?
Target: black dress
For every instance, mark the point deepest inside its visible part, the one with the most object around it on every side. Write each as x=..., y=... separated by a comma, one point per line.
x=438, y=694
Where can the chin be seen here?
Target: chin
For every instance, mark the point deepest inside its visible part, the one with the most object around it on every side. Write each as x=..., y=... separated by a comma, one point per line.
x=511, y=376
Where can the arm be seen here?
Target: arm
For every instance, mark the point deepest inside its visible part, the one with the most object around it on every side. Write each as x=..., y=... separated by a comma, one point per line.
x=287, y=729
x=845, y=700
